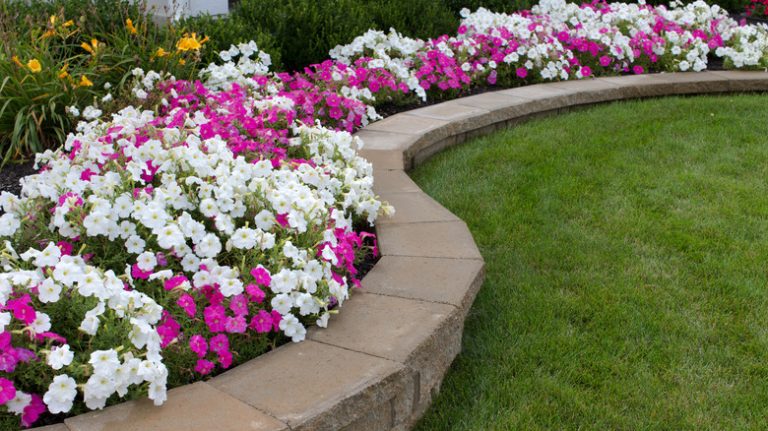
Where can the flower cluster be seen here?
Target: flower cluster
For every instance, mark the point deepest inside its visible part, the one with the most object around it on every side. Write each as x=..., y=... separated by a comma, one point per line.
x=176, y=233
x=556, y=40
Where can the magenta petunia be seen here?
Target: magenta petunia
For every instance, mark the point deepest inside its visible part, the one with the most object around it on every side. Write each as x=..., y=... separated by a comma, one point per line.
x=7, y=390
x=198, y=345
x=204, y=367
x=261, y=322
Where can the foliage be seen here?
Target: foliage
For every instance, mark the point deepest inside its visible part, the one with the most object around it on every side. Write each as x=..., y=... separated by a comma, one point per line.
x=64, y=56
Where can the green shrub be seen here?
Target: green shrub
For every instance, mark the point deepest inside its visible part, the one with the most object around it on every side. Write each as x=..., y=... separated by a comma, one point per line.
x=301, y=32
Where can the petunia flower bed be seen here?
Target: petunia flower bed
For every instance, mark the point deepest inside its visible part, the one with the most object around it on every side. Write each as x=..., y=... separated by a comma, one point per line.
x=211, y=220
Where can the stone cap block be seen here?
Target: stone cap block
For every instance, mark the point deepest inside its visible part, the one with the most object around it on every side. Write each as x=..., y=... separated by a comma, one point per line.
x=438, y=239
x=385, y=326
x=312, y=385
x=416, y=207
x=449, y=281
x=198, y=406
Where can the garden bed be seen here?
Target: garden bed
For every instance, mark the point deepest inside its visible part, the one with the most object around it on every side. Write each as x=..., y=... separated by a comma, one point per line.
x=255, y=138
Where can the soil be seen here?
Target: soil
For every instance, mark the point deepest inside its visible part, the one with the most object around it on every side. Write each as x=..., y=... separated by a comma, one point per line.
x=11, y=173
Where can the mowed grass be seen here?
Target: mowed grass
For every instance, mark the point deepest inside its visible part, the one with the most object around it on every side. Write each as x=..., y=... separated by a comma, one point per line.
x=627, y=257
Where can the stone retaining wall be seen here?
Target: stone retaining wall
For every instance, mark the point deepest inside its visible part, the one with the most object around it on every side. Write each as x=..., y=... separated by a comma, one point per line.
x=381, y=360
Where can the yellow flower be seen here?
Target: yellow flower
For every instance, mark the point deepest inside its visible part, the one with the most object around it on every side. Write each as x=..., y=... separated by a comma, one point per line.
x=34, y=66
x=63, y=72
x=48, y=33
x=85, y=82
x=161, y=52
x=182, y=61
x=87, y=47
x=129, y=25
x=53, y=19
x=190, y=42
x=16, y=61
x=69, y=23
x=92, y=48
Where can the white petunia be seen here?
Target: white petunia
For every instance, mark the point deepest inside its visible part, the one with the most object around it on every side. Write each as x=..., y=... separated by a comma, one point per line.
x=60, y=357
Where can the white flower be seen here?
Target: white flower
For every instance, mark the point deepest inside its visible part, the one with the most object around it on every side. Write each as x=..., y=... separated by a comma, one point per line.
x=42, y=323
x=5, y=320
x=146, y=261
x=49, y=256
x=61, y=393
x=49, y=291
x=104, y=362
x=209, y=246
x=282, y=303
x=19, y=402
x=60, y=357
x=291, y=327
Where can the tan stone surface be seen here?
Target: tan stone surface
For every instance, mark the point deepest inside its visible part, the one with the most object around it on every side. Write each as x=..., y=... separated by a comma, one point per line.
x=393, y=181
x=384, y=326
x=314, y=386
x=415, y=207
x=386, y=159
x=192, y=407
x=377, y=140
x=406, y=123
x=450, y=281
x=439, y=239
x=449, y=111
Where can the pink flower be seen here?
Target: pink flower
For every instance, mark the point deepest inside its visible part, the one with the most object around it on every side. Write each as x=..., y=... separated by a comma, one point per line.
x=136, y=272
x=586, y=71
x=638, y=70
x=7, y=390
x=21, y=309
x=261, y=275
x=215, y=317
x=521, y=72
x=204, y=367
x=462, y=29
x=239, y=304
x=262, y=322
x=174, y=281
x=65, y=247
x=219, y=343
x=236, y=324
x=605, y=61
x=256, y=295
x=225, y=358
x=187, y=303
x=198, y=345
x=32, y=411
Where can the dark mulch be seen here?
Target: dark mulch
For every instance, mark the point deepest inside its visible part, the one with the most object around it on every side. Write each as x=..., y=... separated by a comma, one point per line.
x=10, y=175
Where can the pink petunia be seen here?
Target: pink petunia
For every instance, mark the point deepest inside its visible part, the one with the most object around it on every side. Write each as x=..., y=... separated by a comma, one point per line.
x=187, y=303
x=219, y=343
x=204, y=367
x=521, y=72
x=198, y=345
x=262, y=322
x=32, y=411
x=215, y=317
x=7, y=390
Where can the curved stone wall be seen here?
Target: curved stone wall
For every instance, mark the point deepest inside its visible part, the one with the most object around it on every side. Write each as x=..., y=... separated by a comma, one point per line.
x=381, y=361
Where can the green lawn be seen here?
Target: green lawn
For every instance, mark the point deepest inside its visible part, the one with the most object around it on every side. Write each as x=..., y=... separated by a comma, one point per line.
x=627, y=257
